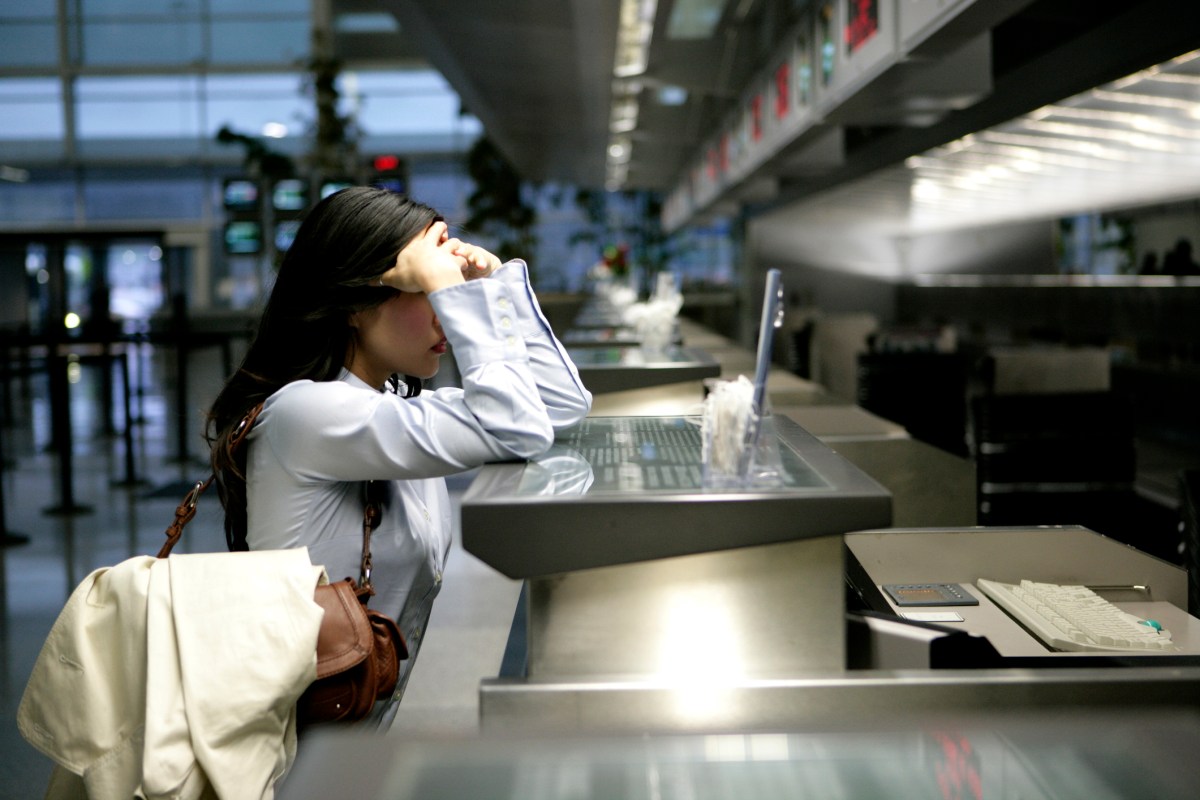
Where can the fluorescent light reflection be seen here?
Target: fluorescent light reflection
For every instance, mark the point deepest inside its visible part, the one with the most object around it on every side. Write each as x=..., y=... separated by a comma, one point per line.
x=1130, y=141
x=701, y=655
x=634, y=32
x=747, y=747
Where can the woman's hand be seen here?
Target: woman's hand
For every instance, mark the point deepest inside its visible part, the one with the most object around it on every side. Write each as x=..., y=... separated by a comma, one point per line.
x=479, y=262
x=427, y=263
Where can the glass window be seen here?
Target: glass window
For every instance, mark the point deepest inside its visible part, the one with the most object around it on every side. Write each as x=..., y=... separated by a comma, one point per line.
x=135, y=279
x=137, y=107
x=260, y=40
x=37, y=202
x=231, y=7
x=414, y=101
x=27, y=9
x=443, y=186
x=27, y=43
x=142, y=41
x=93, y=9
x=30, y=109
x=245, y=103
x=80, y=270
x=130, y=199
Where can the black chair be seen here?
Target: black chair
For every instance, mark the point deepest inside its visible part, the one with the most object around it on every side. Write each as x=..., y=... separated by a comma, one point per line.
x=797, y=350
x=1055, y=459
x=924, y=391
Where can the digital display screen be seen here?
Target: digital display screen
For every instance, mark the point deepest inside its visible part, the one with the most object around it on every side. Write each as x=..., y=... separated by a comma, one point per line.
x=330, y=186
x=862, y=24
x=392, y=184
x=285, y=234
x=929, y=594
x=243, y=237
x=827, y=41
x=240, y=194
x=290, y=194
x=920, y=594
x=804, y=71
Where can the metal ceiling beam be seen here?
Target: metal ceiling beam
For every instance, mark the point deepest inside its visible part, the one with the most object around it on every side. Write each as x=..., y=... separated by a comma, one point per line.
x=537, y=74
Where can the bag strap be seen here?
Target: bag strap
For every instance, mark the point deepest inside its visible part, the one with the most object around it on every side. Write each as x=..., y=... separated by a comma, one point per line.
x=186, y=509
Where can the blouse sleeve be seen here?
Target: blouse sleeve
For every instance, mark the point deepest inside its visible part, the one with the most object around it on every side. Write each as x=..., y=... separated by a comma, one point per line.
x=517, y=387
x=567, y=400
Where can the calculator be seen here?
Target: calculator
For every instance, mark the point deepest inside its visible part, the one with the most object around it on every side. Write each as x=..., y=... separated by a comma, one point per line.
x=929, y=594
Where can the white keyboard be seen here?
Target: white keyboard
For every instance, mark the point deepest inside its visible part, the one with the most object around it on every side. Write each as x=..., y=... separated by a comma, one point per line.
x=1074, y=618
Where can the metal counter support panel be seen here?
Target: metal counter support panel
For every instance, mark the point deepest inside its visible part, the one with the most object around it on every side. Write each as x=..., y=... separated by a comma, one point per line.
x=695, y=620
x=851, y=700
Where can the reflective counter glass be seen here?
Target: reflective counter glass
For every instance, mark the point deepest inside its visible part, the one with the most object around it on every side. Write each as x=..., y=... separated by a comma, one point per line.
x=625, y=489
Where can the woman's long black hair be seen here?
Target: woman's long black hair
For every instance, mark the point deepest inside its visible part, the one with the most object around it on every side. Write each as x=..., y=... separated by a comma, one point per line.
x=330, y=272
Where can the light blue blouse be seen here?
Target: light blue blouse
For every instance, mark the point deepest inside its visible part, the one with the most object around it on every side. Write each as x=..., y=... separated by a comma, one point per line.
x=316, y=442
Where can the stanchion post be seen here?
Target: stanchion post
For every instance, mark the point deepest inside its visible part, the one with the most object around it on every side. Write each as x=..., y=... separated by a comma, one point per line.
x=60, y=387
x=131, y=478
x=7, y=538
x=60, y=424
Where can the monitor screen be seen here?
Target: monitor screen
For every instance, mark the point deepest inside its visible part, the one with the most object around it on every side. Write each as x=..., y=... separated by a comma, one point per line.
x=391, y=183
x=285, y=234
x=290, y=194
x=243, y=237
x=332, y=185
x=240, y=194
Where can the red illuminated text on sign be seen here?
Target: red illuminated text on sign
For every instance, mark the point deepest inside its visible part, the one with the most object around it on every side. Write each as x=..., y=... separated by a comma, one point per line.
x=782, y=79
x=863, y=24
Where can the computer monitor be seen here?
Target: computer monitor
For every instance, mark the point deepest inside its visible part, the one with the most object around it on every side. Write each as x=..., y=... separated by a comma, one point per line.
x=243, y=237
x=290, y=194
x=331, y=185
x=239, y=194
x=392, y=183
x=285, y=234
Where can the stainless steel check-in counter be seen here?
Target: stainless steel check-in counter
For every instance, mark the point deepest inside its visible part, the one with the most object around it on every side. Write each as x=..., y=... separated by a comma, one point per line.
x=730, y=665
x=612, y=369
x=616, y=490
x=635, y=569
x=613, y=336
x=750, y=637
x=757, y=654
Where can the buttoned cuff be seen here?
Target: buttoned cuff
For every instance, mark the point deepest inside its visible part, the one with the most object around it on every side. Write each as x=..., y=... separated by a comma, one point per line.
x=515, y=275
x=480, y=321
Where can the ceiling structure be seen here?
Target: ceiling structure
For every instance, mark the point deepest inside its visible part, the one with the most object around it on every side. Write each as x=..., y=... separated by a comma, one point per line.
x=536, y=73
x=539, y=74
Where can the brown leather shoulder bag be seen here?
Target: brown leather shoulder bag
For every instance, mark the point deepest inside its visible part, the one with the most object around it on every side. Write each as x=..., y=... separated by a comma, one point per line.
x=359, y=649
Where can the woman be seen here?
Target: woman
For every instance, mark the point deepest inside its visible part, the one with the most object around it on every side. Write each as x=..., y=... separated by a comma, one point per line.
x=369, y=298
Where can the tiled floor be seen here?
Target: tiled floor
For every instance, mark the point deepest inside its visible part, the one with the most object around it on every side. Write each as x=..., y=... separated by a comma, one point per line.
x=123, y=517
